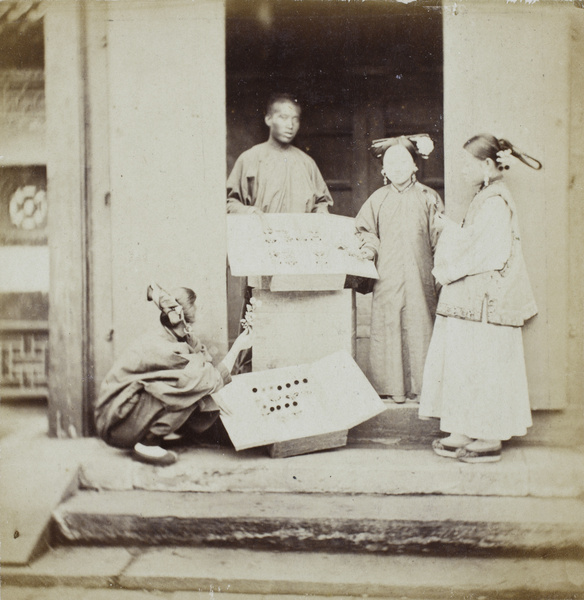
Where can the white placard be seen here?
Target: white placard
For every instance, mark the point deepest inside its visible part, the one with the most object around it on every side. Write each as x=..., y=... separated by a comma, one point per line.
x=295, y=244
x=279, y=405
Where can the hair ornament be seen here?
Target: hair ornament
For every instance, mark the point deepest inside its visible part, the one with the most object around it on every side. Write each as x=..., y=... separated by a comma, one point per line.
x=167, y=304
x=507, y=147
x=422, y=144
x=504, y=159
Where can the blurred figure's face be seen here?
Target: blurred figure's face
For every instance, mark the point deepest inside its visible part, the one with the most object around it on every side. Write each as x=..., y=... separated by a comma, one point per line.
x=398, y=165
x=191, y=313
x=284, y=122
x=473, y=169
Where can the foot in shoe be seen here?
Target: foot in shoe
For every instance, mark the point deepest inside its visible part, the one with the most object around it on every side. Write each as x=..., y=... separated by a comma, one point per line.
x=483, y=445
x=478, y=456
x=456, y=440
x=398, y=399
x=154, y=455
x=450, y=446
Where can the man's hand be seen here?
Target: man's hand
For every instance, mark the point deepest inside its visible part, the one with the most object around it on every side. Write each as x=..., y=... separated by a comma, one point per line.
x=322, y=208
x=367, y=253
x=244, y=341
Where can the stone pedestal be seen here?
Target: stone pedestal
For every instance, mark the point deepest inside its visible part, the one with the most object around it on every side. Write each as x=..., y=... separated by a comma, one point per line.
x=293, y=328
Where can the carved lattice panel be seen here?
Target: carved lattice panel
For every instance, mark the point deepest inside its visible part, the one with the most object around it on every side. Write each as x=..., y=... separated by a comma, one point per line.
x=24, y=359
x=22, y=99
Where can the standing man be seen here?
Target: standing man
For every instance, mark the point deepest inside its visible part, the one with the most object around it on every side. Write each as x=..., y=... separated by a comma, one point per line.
x=276, y=177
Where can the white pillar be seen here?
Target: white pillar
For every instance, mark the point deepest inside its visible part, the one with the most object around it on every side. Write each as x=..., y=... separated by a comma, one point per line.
x=167, y=152
x=506, y=73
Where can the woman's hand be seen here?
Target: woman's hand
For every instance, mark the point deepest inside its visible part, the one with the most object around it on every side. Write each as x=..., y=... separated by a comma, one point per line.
x=441, y=221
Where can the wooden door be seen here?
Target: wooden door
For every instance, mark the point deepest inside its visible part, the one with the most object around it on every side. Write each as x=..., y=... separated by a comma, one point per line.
x=361, y=71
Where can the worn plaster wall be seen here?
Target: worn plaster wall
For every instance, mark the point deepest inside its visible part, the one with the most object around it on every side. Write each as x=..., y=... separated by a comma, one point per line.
x=576, y=220
x=136, y=163
x=166, y=85
x=506, y=71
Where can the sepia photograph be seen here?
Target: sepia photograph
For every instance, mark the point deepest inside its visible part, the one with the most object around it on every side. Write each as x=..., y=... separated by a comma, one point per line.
x=291, y=299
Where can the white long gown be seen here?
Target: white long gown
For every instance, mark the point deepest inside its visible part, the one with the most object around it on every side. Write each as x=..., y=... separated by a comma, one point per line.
x=474, y=377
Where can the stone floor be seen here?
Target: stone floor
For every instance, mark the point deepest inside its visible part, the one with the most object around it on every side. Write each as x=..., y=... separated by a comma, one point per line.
x=115, y=593
x=169, y=570
x=523, y=471
x=38, y=473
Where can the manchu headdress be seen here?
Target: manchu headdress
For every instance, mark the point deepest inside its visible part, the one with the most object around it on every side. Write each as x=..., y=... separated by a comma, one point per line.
x=421, y=143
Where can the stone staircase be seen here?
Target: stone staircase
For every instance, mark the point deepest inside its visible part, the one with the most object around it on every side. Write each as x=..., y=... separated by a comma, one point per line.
x=382, y=517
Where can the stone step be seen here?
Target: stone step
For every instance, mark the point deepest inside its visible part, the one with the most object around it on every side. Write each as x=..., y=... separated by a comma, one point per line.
x=227, y=574
x=328, y=523
x=522, y=472
x=400, y=426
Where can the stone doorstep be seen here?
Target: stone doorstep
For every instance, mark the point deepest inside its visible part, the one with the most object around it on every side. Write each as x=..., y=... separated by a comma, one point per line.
x=327, y=523
x=530, y=471
x=233, y=572
x=399, y=425
x=37, y=472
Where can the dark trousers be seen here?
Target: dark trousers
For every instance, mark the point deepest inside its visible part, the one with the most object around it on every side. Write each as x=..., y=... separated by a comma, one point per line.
x=150, y=420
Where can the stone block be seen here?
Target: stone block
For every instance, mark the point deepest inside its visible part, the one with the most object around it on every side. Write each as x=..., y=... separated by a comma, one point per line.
x=433, y=524
x=292, y=328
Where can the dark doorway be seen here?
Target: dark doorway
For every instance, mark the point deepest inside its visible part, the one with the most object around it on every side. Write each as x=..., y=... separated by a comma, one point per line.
x=360, y=70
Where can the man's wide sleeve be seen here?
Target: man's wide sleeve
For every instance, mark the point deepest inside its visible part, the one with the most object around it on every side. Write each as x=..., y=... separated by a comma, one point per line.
x=239, y=197
x=323, y=198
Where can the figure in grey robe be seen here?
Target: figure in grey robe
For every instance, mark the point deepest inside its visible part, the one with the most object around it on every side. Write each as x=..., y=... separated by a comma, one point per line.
x=398, y=227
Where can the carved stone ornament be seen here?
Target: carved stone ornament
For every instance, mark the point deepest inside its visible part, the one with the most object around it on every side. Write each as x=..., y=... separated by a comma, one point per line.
x=28, y=207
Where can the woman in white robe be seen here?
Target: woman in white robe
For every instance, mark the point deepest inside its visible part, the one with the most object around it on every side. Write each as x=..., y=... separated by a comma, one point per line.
x=474, y=378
